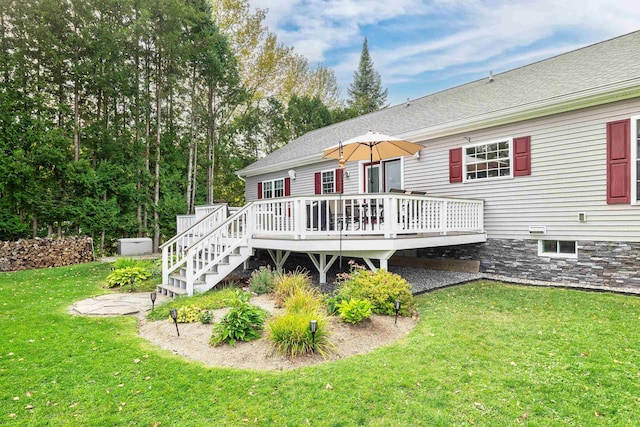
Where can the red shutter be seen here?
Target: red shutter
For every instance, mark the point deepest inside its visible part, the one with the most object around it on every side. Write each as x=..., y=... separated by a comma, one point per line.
x=318, y=183
x=618, y=162
x=260, y=190
x=522, y=156
x=455, y=165
x=287, y=187
x=339, y=180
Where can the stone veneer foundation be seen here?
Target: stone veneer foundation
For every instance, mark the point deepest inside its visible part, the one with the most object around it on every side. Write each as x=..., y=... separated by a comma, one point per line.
x=599, y=264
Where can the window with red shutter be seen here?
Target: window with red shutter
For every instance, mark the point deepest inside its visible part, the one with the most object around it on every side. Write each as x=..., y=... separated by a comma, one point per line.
x=455, y=165
x=317, y=177
x=522, y=156
x=339, y=180
x=618, y=162
x=287, y=187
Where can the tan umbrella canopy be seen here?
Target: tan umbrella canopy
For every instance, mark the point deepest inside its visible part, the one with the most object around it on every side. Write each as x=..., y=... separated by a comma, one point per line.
x=371, y=146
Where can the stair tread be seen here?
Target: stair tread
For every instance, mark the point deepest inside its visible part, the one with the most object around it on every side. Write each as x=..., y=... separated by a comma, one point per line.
x=174, y=289
x=183, y=278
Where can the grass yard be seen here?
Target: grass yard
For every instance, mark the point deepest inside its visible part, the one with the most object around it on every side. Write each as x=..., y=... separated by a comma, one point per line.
x=483, y=354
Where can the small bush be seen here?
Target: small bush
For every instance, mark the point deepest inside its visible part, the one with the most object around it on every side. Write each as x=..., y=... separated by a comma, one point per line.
x=291, y=334
x=122, y=276
x=261, y=281
x=188, y=314
x=354, y=310
x=288, y=284
x=206, y=317
x=381, y=288
x=242, y=323
x=125, y=263
x=332, y=301
x=304, y=300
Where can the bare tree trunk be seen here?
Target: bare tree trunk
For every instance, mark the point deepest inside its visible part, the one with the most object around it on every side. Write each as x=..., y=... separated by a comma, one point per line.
x=76, y=122
x=35, y=225
x=210, y=146
x=156, y=194
x=191, y=142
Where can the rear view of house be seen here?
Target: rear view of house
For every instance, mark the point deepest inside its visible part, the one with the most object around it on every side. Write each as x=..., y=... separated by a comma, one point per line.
x=533, y=172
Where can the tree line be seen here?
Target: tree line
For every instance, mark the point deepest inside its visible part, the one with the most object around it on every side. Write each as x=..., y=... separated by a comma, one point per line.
x=117, y=115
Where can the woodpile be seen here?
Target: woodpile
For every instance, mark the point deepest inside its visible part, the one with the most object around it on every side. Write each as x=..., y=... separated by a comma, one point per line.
x=43, y=253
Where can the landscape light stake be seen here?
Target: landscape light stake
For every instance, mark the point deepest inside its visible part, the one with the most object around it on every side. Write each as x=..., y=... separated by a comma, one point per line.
x=397, y=307
x=131, y=280
x=313, y=325
x=174, y=315
x=153, y=300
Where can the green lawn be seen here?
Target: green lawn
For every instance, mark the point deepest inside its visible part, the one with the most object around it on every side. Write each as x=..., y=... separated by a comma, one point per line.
x=482, y=354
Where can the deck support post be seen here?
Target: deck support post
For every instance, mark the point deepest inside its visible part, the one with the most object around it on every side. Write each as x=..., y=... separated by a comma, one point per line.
x=279, y=258
x=384, y=264
x=323, y=265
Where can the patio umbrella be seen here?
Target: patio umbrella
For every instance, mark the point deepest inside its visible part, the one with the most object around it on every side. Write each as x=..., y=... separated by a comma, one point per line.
x=371, y=146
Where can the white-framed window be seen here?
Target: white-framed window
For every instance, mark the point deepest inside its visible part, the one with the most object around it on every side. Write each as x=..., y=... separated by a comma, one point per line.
x=328, y=181
x=273, y=188
x=487, y=160
x=635, y=160
x=558, y=248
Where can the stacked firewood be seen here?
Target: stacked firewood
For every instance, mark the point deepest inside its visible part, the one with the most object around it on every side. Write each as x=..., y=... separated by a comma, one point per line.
x=42, y=253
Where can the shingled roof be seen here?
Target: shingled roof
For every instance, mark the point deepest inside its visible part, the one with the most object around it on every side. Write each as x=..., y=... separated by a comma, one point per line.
x=602, y=65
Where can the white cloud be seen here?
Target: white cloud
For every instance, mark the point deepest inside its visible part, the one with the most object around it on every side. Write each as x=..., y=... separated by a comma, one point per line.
x=408, y=38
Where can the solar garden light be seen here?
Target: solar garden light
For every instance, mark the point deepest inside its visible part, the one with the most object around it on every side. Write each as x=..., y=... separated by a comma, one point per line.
x=131, y=280
x=313, y=325
x=174, y=315
x=397, y=307
x=153, y=300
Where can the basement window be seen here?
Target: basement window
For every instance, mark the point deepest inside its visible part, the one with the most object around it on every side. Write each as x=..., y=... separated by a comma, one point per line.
x=558, y=248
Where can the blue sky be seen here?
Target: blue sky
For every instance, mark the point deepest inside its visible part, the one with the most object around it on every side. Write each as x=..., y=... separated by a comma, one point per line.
x=421, y=47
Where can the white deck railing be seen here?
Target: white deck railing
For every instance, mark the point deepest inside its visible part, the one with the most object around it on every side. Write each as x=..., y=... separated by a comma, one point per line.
x=385, y=214
x=174, y=251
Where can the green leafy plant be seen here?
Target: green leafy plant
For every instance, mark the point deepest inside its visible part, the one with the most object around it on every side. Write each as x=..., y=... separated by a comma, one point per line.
x=242, y=323
x=122, y=276
x=381, y=288
x=354, y=310
x=288, y=284
x=188, y=314
x=332, y=300
x=261, y=281
x=306, y=300
x=292, y=336
x=206, y=316
x=125, y=263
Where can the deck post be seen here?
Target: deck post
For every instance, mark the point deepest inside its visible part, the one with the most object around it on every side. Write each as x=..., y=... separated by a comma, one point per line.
x=322, y=265
x=279, y=257
x=384, y=264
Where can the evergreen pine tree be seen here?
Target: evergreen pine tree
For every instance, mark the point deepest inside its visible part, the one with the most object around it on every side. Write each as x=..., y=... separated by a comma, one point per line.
x=366, y=94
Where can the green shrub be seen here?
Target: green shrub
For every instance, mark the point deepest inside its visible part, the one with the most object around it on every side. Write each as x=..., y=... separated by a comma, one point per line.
x=354, y=310
x=381, y=288
x=332, y=300
x=261, y=281
x=206, y=317
x=304, y=300
x=188, y=314
x=242, y=323
x=288, y=284
x=125, y=263
x=291, y=334
x=122, y=276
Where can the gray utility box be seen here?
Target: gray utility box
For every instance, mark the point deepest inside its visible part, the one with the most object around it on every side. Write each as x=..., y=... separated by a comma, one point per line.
x=135, y=246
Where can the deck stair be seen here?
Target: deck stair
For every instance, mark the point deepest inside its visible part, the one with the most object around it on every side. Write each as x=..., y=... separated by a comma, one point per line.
x=203, y=255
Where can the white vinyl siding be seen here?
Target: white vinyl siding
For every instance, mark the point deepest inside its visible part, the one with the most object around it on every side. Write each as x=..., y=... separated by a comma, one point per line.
x=568, y=176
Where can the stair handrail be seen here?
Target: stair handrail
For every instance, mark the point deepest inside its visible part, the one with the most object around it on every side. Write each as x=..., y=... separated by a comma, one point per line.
x=221, y=242
x=173, y=255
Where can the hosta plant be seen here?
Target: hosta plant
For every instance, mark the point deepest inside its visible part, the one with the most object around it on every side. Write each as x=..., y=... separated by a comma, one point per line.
x=354, y=310
x=242, y=323
x=122, y=276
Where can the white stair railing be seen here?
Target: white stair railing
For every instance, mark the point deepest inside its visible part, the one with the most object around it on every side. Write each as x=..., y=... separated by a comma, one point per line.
x=221, y=242
x=174, y=251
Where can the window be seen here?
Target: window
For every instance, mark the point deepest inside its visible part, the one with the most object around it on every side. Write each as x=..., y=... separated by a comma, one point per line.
x=380, y=179
x=273, y=188
x=635, y=159
x=487, y=160
x=328, y=182
x=558, y=248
